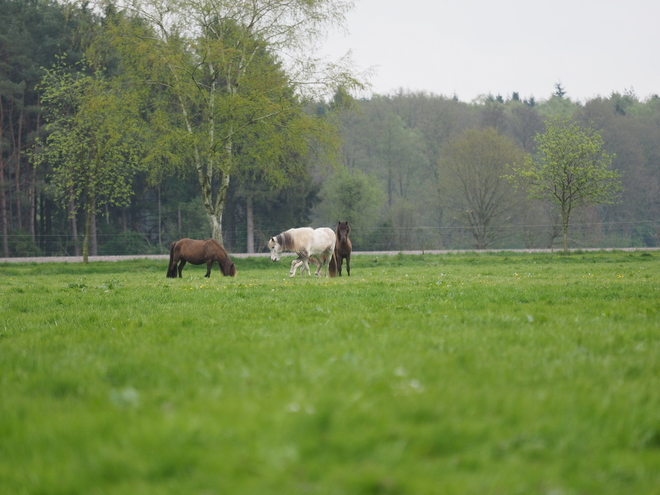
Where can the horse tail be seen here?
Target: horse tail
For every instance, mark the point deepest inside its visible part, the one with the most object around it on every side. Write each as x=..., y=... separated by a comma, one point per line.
x=332, y=265
x=171, y=269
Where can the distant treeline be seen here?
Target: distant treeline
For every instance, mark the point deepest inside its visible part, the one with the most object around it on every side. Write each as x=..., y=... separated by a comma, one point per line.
x=400, y=176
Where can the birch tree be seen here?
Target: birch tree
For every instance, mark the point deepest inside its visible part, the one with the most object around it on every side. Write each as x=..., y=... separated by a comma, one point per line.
x=224, y=68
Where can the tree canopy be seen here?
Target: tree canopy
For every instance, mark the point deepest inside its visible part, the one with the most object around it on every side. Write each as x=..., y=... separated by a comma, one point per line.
x=230, y=103
x=475, y=187
x=93, y=143
x=572, y=169
x=227, y=105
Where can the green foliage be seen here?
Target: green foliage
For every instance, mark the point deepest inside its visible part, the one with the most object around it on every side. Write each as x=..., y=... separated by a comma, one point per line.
x=556, y=106
x=21, y=244
x=238, y=114
x=93, y=140
x=350, y=195
x=465, y=373
x=125, y=242
x=397, y=138
x=93, y=143
x=572, y=170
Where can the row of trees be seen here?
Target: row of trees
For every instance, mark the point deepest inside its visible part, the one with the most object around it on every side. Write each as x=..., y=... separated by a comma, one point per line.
x=216, y=88
x=148, y=120
x=440, y=167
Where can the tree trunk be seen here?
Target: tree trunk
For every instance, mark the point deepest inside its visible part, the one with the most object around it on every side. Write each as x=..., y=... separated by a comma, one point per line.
x=3, y=210
x=32, y=194
x=88, y=230
x=33, y=188
x=250, y=225
x=215, y=225
x=564, y=225
x=74, y=224
x=215, y=209
x=94, y=244
x=3, y=198
x=160, y=220
x=17, y=172
x=47, y=230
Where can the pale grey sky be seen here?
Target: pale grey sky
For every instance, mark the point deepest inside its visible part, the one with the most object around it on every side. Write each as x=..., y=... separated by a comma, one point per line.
x=476, y=47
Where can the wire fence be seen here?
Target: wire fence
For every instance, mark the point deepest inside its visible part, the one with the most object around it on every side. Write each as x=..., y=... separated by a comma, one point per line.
x=597, y=235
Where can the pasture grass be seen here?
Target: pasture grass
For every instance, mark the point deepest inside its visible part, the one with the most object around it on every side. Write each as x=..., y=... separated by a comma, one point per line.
x=467, y=373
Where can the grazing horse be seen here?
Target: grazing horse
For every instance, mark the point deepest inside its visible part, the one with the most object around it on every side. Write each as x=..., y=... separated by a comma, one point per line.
x=343, y=247
x=305, y=242
x=198, y=252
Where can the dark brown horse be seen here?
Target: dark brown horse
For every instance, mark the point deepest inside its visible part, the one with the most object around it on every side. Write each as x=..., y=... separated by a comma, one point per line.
x=198, y=252
x=343, y=247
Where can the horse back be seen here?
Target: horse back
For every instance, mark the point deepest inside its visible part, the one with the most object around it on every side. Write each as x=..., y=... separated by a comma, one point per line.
x=211, y=246
x=191, y=250
x=298, y=240
x=178, y=248
x=325, y=239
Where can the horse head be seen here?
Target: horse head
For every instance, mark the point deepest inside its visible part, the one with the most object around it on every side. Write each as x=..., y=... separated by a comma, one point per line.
x=343, y=229
x=275, y=249
x=230, y=269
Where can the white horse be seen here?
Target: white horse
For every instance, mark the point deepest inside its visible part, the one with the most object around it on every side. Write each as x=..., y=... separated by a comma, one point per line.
x=305, y=242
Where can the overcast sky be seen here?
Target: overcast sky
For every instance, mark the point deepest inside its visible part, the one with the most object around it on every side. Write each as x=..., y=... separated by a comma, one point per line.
x=470, y=48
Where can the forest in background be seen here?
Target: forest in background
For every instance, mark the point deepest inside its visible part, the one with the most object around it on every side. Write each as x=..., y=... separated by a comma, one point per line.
x=403, y=177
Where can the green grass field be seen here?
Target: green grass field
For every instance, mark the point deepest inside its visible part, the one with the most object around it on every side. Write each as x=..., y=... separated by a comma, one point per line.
x=436, y=374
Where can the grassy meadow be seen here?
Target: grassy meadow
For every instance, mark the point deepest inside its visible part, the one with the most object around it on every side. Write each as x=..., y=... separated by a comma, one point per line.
x=469, y=373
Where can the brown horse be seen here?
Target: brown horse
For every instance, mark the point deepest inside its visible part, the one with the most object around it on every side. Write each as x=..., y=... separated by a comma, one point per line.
x=198, y=252
x=343, y=247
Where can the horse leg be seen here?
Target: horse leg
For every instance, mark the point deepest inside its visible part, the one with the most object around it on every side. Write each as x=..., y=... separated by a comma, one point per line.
x=348, y=265
x=209, y=266
x=301, y=263
x=316, y=263
x=340, y=260
x=294, y=266
x=305, y=266
x=323, y=262
x=171, y=269
x=182, y=263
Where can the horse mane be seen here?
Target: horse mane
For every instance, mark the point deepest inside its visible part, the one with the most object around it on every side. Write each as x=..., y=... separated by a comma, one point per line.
x=284, y=240
x=295, y=239
x=217, y=244
x=225, y=262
